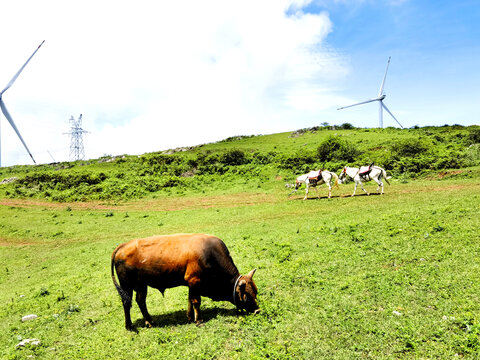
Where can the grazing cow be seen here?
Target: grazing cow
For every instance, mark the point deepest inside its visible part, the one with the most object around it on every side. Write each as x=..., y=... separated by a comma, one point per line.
x=201, y=262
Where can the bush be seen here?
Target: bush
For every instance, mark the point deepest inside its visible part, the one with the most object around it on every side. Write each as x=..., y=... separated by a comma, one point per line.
x=336, y=149
x=409, y=147
x=347, y=126
x=472, y=155
x=296, y=161
x=234, y=157
x=474, y=136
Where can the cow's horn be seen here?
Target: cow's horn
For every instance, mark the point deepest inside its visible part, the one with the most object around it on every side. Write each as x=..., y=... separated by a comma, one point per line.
x=250, y=274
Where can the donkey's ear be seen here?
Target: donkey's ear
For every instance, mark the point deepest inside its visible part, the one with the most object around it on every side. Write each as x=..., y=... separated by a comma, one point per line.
x=250, y=274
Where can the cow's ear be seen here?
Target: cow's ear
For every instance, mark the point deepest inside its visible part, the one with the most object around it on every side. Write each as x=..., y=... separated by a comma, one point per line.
x=250, y=274
x=242, y=285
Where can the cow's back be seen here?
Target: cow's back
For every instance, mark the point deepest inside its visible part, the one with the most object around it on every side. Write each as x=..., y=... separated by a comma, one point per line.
x=171, y=260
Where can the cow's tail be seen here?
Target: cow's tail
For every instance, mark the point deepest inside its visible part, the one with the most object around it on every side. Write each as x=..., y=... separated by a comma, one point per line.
x=384, y=173
x=126, y=299
x=335, y=176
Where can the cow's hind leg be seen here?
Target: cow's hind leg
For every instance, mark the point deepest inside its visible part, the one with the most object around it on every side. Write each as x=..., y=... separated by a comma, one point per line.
x=127, y=304
x=141, y=298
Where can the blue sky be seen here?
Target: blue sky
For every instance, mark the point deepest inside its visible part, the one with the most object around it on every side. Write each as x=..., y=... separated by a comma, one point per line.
x=435, y=50
x=150, y=75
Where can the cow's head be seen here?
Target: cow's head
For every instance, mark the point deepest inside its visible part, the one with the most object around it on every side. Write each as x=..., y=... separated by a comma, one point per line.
x=246, y=293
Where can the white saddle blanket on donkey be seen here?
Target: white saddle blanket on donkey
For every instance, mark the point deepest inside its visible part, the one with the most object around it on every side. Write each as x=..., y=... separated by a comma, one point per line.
x=314, y=174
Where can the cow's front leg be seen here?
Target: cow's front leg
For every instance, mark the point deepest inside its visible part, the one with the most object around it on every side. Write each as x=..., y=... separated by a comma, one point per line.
x=194, y=301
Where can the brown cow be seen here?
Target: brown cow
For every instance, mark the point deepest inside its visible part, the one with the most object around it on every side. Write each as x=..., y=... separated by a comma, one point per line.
x=201, y=262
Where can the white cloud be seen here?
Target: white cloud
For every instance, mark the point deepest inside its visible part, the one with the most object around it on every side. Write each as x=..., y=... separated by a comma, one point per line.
x=152, y=75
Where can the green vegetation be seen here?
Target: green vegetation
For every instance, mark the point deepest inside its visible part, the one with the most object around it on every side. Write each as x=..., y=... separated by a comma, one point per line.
x=392, y=276
x=248, y=162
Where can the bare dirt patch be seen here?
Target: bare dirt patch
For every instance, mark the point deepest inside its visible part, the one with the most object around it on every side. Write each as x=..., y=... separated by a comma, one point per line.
x=163, y=204
x=443, y=174
x=5, y=242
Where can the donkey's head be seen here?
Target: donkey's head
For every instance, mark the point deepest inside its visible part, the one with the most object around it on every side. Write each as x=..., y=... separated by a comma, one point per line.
x=343, y=175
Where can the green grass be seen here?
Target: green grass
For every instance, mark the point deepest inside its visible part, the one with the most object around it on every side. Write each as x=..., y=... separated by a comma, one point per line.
x=393, y=276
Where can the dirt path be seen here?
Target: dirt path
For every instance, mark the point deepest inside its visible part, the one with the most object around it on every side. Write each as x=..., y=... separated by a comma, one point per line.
x=219, y=201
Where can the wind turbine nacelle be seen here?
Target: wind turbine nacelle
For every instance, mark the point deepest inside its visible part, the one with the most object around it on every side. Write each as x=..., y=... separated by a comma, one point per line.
x=381, y=97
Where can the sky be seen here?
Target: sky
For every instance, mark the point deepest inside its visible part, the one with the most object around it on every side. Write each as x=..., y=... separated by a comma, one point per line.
x=153, y=75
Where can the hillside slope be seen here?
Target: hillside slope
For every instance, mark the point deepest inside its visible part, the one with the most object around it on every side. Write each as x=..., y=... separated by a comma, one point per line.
x=247, y=163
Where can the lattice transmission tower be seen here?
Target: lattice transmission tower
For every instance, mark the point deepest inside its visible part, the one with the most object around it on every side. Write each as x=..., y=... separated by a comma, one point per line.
x=77, y=151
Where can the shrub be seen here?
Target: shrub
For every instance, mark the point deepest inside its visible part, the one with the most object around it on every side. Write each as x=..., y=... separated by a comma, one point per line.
x=409, y=147
x=296, y=161
x=347, y=126
x=472, y=155
x=474, y=136
x=336, y=149
x=234, y=157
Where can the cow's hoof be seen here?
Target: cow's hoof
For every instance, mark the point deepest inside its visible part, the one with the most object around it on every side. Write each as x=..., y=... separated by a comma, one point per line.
x=149, y=324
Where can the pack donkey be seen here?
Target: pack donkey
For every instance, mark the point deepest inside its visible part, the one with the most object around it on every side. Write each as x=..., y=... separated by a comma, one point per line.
x=314, y=178
x=365, y=174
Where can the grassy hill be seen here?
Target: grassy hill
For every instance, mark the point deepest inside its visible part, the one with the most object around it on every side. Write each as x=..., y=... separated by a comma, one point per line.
x=377, y=277
x=247, y=162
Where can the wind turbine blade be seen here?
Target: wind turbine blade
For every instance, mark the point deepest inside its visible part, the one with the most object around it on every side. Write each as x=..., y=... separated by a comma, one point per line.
x=384, y=77
x=21, y=69
x=360, y=103
x=10, y=120
x=385, y=107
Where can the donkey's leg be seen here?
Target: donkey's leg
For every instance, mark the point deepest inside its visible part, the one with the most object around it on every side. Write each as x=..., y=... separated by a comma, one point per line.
x=355, y=189
x=366, y=192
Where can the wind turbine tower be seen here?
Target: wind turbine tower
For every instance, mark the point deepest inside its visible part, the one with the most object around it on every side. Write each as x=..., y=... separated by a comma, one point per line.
x=381, y=95
x=4, y=109
x=77, y=151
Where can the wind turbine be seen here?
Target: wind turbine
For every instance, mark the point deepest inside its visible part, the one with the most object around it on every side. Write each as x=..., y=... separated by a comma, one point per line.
x=5, y=111
x=379, y=98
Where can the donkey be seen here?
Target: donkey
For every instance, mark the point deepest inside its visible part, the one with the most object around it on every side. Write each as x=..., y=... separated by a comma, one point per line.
x=361, y=175
x=314, y=178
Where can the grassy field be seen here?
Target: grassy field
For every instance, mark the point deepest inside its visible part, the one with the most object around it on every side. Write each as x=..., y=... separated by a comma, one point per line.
x=393, y=276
